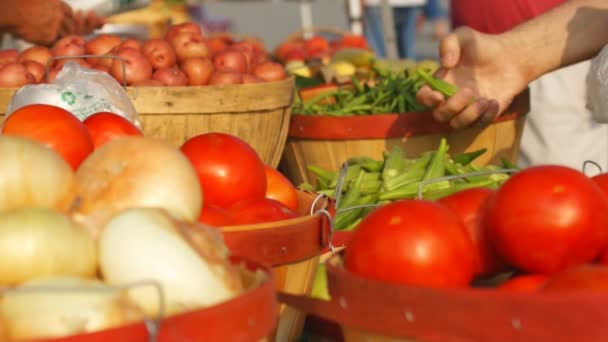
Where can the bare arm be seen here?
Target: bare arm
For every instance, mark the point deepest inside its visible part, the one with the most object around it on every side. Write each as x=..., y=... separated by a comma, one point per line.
x=568, y=34
x=492, y=69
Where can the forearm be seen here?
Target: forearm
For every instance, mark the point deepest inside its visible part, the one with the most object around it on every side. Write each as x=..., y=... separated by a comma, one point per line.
x=568, y=34
x=7, y=15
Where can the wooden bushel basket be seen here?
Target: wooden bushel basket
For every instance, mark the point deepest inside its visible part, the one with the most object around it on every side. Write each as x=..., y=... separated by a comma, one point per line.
x=292, y=247
x=249, y=317
x=257, y=113
x=374, y=311
x=328, y=141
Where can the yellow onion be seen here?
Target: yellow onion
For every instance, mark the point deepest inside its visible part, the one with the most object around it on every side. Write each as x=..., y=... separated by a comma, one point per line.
x=36, y=242
x=135, y=172
x=33, y=175
x=64, y=306
x=189, y=262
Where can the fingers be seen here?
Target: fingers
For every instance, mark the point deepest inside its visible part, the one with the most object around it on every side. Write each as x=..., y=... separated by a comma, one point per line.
x=449, y=51
x=453, y=105
x=428, y=97
x=489, y=115
x=470, y=114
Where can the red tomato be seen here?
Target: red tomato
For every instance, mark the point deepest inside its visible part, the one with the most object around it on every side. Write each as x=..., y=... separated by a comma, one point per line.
x=524, y=283
x=546, y=218
x=412, y=242
x=279, y=188
x=105, y=126
x=260, y=211
x=581, y=277
x=468, y=204
x=54, y=127
x=229, y=170
x=602, y=181
x=316, y=45
x=214, y=216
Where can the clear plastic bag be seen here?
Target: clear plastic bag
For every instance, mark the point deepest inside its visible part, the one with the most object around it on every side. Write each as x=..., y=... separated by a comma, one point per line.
x=81, y=91
x=597, y=86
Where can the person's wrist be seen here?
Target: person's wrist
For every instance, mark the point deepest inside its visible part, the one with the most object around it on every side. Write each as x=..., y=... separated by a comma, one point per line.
x=522, y=63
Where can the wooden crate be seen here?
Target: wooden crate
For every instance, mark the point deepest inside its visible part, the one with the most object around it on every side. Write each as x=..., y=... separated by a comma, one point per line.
x=328, y=141
x=257, y=113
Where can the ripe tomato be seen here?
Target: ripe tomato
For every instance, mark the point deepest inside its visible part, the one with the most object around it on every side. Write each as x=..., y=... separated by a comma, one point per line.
x=54, y=127
x=581, y=277
x=279, y=188
x=214, y=216
x=229, y=170
x=546, y=218
x=412, y=242
x=468, y=205
x=260, y=211
x=524, y=283
x=105, y=126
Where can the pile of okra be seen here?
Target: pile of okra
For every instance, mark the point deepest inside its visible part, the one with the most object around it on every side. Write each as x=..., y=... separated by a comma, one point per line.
x=393, y=92
x=378, y=182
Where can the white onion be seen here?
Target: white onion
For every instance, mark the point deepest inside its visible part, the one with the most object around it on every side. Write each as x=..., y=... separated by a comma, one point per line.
x=37, y=242
x=33, y=175
x=73, y=308
x=135, y=172
x=191, y=266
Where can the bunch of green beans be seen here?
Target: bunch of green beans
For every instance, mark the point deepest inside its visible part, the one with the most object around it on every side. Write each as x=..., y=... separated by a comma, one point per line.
x=396, y=177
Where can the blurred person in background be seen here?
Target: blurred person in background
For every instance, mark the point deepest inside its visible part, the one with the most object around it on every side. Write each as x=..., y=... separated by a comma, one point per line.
x=559, y=128
x=434, y=13
x=405, y=15
x=45, y=21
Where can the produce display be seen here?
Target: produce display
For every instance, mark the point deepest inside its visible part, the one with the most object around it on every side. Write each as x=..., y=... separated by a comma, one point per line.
x=388, y=93
x=544, y=227
x=94, y=214
x=378, y=182
x=81, y=195
x=185, y=57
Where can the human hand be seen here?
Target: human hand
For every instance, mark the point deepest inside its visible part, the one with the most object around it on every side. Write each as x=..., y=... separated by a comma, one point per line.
x=488, y=72
x=45, y=21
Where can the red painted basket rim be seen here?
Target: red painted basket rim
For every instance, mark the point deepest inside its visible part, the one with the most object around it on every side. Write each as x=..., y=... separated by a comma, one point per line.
x=377, y=126
x=252, y=317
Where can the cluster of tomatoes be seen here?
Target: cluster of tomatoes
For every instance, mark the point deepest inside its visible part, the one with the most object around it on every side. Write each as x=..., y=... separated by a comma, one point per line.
x=546, y=224
x=238, y=188
x=317, y=47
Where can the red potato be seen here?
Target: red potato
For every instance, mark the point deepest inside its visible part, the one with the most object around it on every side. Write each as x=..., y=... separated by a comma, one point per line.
x=51, y=76
x=248, y=78
x=15, y=75
x=104, y=61
x=101, y=67
x=172, y=77
x=38, y=54
x=188, y=45
x=130, y=43
x=36, y=69
x=199, y=70
x=137, y=67
x=269, y=71
x=217, y=45
x=149, y=83
x=182, y=28
x=226, y=77
x=232, y=60
x=8, y=56
x=159, y=53
x=72, y=45
x=261, y=59
x=102, y=45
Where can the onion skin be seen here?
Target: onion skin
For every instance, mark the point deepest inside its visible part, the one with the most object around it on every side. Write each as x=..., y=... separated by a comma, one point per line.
x=58, y=313
x=131, y=172
x=33, y=175
x=205, y=275
x=38, y=242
